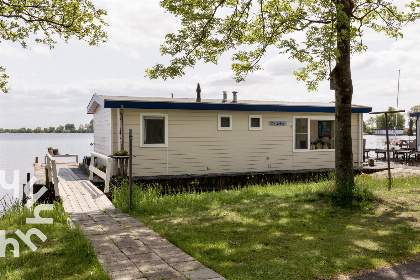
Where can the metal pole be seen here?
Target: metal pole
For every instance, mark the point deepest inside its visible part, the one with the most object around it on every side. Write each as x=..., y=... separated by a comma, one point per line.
x=387, y=151
x=130, y=154
x=122, y=127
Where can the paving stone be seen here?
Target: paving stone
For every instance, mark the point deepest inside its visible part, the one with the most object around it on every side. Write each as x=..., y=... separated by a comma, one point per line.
x=127, y=243
x=144, y=258
x=163, y=274
x=127, y=275
x=121, y=265
x=129, y=221
x=89, y=230
x=136, y=250
x=182, y=257
x=188, y=266
x=99, y=216
x=105, y=247
x=179, y=278
x=144, y=232
x=157, y=243
x=152, y=266
x=98, y=237
x=116, y=229
x=111, y=258
x=122, y=236
x=80, y=217
x=168, y=251
x=205, y=273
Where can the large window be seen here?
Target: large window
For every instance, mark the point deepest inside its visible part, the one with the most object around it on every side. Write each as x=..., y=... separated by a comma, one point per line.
x=314, y=133
x=154, y=130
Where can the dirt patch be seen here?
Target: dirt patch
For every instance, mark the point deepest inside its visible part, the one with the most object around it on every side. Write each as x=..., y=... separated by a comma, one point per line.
x=398, y=172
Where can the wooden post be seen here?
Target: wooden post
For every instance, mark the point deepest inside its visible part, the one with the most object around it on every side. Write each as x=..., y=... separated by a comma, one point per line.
x=130, y=153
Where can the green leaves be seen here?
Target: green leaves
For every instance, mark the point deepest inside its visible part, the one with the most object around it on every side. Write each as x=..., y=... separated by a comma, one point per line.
x=3, y=80
x=307, y=30
x=48, y=20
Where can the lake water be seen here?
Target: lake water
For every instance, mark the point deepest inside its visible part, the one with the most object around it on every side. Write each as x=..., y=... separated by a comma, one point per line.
x=379, y=141
x=18, y=152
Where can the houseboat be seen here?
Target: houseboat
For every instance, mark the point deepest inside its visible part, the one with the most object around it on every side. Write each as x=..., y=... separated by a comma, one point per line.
x=175, y=136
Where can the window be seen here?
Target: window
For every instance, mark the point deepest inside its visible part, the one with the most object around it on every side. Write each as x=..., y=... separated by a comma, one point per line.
x=314, y=133
x=224, y=122
x=255, y=122
x=154, y=130
x=301, y=133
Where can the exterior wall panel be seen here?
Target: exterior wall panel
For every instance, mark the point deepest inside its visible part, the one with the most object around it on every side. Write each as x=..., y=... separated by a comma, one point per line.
x=102, y=131
x=196, y=146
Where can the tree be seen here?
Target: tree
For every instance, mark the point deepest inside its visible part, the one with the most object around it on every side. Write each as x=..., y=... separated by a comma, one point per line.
x=332, y=29
x=414, y=109
x=392, y=124
x=44, y=19
x=89, y=127
x=70, y=127
x=59, y=129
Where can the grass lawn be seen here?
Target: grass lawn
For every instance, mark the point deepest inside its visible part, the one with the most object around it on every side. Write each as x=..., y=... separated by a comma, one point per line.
x=65, y=254
x=288, y=231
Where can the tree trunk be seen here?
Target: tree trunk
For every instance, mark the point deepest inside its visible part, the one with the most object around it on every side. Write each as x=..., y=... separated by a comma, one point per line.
x=341, y=74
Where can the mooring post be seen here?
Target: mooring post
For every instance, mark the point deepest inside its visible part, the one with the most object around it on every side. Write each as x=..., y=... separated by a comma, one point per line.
x=130, y=154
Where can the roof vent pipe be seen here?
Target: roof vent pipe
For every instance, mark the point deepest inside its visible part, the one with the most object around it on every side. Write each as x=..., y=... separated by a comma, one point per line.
x=198, y=90
x=235, y=97
x=224, y=97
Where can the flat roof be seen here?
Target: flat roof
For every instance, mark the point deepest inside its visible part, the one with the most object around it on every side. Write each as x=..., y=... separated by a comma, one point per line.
x=136, y=102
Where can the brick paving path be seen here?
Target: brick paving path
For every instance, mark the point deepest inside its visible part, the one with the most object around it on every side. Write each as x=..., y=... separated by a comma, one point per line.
x=126, y=248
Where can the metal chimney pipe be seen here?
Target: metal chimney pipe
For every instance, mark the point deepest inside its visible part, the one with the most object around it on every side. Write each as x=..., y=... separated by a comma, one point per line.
x=235, y=97
x=198, y=90
x=224, y=97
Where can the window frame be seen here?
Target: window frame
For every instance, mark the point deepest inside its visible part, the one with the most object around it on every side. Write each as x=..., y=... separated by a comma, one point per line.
x=143, y=133
x=219, y=122
x=254, y=117
x=310, y=118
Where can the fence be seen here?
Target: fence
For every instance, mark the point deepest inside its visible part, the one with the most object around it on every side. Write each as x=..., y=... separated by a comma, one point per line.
x=51, y=174
x=106, y=175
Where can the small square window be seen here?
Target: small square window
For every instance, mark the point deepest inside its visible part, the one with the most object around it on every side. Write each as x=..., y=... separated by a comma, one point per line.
x=255, y=122
x=154, y=130
x=224, y=122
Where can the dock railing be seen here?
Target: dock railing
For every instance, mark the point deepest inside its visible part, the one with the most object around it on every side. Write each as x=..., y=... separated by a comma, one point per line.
x=52, y=174
x=106, y=175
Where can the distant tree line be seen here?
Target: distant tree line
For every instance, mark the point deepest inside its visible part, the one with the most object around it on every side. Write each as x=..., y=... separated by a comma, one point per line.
x=68, y=128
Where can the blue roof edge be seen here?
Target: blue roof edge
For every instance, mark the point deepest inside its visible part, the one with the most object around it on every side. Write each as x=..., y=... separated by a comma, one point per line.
x=223, y=107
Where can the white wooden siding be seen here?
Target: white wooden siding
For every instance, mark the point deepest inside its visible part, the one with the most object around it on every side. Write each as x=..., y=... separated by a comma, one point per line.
x=102, y=131
x=196, y=146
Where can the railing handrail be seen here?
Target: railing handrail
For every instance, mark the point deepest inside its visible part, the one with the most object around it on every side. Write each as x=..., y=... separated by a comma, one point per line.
x=52, y=173
x=95, y=170
x=67, y=155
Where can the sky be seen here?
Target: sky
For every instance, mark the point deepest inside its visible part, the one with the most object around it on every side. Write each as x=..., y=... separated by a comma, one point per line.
x=54, y=87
